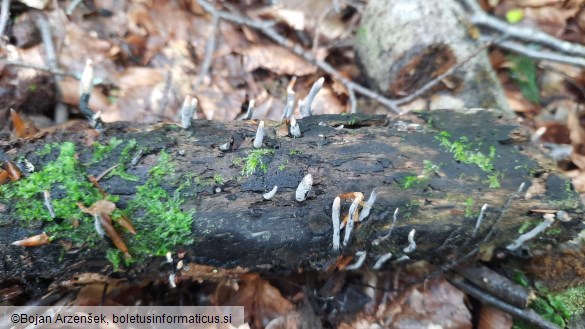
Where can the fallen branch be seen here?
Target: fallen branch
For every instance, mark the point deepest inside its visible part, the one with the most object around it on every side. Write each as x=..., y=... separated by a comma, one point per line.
x=41, y=68
x=209, y=49
x=527, y=315
x=568, y=49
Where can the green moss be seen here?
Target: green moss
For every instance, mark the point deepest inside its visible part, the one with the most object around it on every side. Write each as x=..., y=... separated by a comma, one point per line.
x=123, y=161
x=101, y=150
x=558, y=308
x=254, y=161
x=295, y=152
x=493, y=180
x=572, y=300
x=66, y=179
x=115, y=257
x=218, y=179
x=430, y=168
x=159, y=220
x=46, y=149
x=469, y=207
x=281, y=167
x=465, y=152
x=411, y=181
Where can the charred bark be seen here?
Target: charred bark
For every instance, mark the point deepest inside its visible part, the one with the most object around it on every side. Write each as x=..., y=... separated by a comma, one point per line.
x=425, y=164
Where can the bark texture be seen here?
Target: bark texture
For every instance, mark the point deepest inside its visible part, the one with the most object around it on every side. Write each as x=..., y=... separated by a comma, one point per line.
x=438, y=192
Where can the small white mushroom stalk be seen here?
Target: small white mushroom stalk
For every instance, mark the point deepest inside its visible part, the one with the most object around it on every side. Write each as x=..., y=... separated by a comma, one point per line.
x=290, y=104
x=269, y=195
x=259, y=135
x=548, y=221
x=361, y=255
x=295, y=130
x=368, y=205
x=188, y=109
x=411, y=243
x=382, y=260
x=352, y=219
x=250, y=111
x=479, y=219
x=304, y=188
x=335, y=212
x=306, y=106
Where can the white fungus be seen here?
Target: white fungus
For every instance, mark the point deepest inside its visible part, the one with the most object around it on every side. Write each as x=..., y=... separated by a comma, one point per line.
x=304, y=188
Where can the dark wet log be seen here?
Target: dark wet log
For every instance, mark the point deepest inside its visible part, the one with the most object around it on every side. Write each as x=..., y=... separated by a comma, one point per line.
x=436, y=167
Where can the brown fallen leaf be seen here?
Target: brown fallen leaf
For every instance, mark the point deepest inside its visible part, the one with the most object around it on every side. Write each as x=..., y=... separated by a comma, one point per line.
x=4, y=176
x=262, y=301
x=23, y=128
x=106, y=223
x=126, y=223
x=13, y=171
x=276, y=59
x=33, y=241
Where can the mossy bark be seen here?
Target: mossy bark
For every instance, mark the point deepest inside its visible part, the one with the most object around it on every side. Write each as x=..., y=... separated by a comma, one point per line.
x=438, y=193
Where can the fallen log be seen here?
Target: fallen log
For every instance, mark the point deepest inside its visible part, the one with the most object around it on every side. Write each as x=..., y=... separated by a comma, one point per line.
x=199, y=192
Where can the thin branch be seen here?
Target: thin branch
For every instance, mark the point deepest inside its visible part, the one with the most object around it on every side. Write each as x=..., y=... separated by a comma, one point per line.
x=209, y=49
x=541, y=54
x=268, y=30
x=527, y=34
x=41, y=68
x=4, y=15
x=162, y=105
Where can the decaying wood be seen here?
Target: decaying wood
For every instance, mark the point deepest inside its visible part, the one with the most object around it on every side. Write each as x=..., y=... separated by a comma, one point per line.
x=402, y=45
x=235, y=226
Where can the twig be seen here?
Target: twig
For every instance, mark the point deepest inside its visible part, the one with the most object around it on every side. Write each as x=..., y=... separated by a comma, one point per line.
x=162, y=105
x=41, y=68
x=541, y=54
x=268, y=30
x=318, y=25
x=497, y=284
x=61, y=112
x=479, y=17
x=527, y=315
x=209, y=49
x=4, y=14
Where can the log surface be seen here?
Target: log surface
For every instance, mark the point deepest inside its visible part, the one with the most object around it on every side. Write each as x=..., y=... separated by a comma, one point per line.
x=234, y=226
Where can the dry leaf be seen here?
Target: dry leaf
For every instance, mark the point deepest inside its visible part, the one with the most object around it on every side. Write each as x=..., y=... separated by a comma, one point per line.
x=433, y=304
x=126, y=223
x=13, y=171
x=262, y=301
x=106, y=223
x=4, y=176
x=23, y=128
x=33, y=241
x=276, y=59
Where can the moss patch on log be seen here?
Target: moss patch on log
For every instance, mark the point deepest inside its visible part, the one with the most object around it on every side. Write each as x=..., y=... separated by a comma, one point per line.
x=157, y=215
